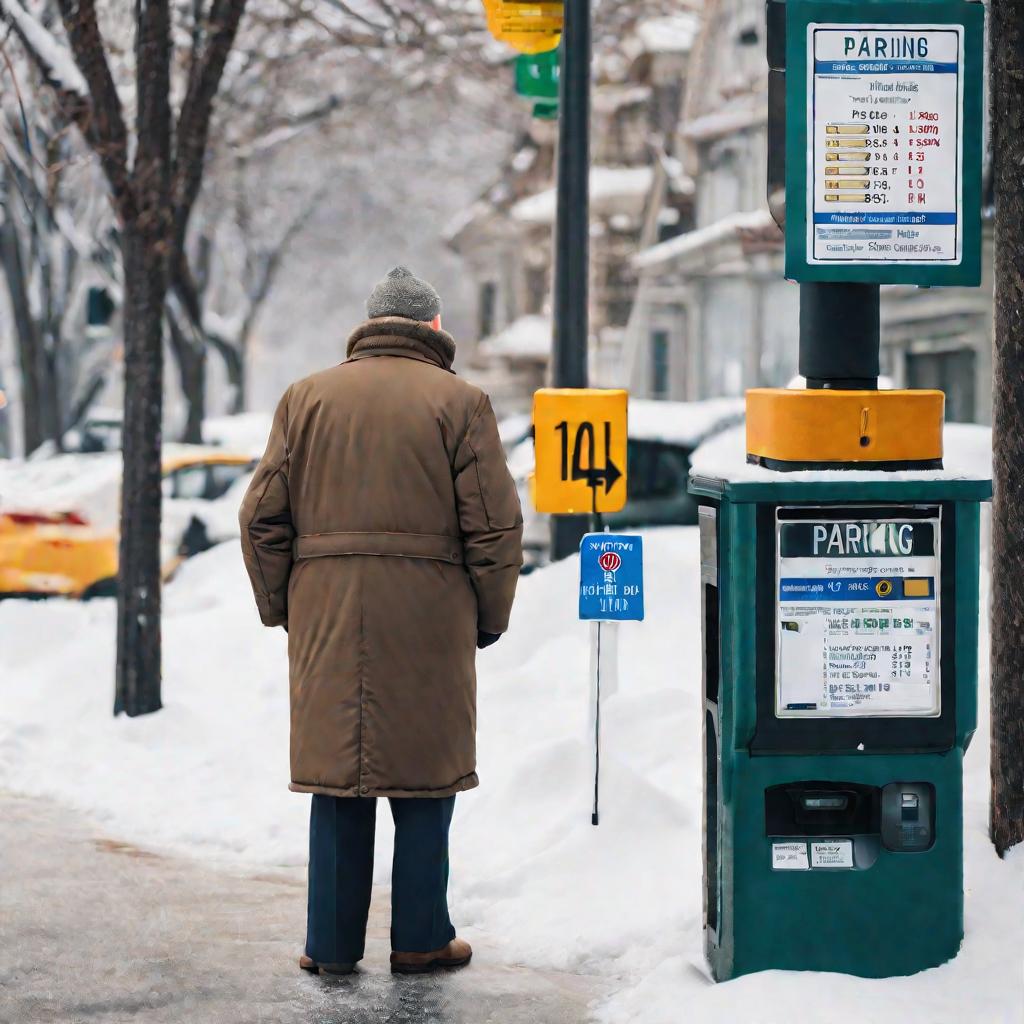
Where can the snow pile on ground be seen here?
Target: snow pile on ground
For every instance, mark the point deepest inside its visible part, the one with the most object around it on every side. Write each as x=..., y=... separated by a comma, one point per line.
x=532, y=880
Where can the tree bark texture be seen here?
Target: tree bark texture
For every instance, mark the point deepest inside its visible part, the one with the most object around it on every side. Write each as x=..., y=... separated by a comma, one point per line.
x=138, y=613
x=145, y=252
x=190, y=358
x=1007, y=89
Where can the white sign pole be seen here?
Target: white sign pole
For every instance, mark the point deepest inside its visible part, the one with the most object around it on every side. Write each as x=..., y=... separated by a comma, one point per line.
x=604, y=681
x=594, y=718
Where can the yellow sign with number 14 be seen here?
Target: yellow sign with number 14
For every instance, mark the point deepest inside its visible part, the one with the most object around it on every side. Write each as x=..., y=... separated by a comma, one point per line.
x=580, y=444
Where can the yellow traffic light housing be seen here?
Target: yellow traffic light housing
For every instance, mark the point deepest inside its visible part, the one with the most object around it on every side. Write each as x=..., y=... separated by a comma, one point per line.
x=526, y=27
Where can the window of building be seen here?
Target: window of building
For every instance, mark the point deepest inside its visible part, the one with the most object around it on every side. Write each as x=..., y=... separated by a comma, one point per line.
x=536, y=289
x=488, y=305
x=952, y=372
x=659, y=364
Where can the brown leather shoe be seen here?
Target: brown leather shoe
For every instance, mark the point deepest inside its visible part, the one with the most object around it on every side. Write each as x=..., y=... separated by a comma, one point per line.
x=457, y=953
x=307, y=963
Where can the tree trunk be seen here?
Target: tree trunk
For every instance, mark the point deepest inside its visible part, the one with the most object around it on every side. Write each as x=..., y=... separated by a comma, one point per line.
x=1007, y=90
x=190, y=358
x=233, y=356
x=27, y=336
x=138, y=597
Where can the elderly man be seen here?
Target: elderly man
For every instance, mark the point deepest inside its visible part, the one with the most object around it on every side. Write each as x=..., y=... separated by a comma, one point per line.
x=383, y=531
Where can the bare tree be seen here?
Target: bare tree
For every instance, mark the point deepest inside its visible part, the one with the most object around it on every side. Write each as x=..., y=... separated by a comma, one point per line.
x=1007, y=89
x=52, y=232
x=154, y=173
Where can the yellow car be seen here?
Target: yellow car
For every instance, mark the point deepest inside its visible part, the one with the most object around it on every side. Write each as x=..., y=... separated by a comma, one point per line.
x=58, y=518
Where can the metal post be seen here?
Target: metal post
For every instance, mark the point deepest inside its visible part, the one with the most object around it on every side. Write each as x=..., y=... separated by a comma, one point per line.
x=839, y=322
x=839, y=335
x=596, y=658
x=572, y=233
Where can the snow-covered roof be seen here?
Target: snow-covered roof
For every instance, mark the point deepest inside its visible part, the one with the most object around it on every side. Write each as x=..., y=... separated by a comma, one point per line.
x=682, y=423
x=967, y=455
x=675, y=33
x=610, y=98
x=693, y=241
x=627, y=186
x=736, y=117
x=479, y=210
x=529, y=337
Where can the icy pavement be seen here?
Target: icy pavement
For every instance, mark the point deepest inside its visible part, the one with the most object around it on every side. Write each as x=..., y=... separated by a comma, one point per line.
x=533, y=883
x=95, y=930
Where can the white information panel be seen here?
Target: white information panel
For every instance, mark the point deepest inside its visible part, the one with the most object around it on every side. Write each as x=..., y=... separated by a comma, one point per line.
x=857, y=618
x=885, y=114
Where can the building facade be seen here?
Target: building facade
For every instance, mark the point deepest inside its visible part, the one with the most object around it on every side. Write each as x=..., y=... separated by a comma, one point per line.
x=639, y=194
x=714, y=315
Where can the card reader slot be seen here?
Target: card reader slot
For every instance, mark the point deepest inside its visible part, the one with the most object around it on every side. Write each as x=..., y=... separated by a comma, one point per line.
x=813, y=808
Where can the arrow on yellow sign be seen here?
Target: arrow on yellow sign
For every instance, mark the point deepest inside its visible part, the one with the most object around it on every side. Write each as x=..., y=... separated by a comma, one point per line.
x=580, y=442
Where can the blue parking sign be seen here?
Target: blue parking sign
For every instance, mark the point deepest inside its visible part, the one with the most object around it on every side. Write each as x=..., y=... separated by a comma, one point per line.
x=612, y=577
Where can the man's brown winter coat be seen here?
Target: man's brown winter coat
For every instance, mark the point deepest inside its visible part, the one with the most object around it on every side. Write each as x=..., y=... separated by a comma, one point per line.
x=383, y=529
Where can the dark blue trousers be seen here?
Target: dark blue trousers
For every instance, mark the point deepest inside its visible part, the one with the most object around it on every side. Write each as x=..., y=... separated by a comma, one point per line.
x=341, y=831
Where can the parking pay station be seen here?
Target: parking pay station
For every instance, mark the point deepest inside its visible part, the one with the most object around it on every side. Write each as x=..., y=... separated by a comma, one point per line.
x=839, y=571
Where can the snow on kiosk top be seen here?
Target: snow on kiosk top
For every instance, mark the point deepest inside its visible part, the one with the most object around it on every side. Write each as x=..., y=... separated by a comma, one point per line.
x=719, y=466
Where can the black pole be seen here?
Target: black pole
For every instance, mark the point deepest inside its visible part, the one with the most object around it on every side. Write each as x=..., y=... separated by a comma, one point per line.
x=839, y=335
x=839, y=322
x=569, y=343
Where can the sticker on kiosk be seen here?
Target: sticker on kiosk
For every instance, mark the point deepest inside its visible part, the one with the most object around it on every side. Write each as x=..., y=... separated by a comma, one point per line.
x=857, y=618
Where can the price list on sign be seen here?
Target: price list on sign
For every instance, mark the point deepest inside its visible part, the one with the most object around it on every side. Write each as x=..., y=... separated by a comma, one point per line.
x=886, y=155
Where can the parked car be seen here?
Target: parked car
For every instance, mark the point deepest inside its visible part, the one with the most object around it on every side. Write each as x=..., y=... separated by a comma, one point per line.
x=662, y=436
x=58, y=517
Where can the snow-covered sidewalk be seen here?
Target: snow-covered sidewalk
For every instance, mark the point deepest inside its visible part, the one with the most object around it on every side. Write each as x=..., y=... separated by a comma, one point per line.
x=530, y=875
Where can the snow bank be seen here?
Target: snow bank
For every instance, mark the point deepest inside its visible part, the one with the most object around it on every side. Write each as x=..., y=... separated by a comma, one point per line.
x=531, y=878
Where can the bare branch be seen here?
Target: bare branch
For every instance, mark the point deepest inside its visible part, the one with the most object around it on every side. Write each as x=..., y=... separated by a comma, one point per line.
x=104, y=126
x=197, y=108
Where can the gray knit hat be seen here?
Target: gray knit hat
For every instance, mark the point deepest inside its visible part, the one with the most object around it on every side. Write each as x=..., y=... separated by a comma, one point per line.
x=401, y=293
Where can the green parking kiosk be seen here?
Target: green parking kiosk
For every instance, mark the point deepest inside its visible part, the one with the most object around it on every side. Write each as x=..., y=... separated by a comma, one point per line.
x=840, y=688
x=839, y=563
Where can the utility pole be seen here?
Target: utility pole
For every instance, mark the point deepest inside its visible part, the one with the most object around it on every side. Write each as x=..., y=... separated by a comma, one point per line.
x=1007, y=598
x=572, y=234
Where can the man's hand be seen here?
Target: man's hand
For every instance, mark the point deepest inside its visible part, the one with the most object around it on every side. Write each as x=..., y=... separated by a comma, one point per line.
x=486, y=639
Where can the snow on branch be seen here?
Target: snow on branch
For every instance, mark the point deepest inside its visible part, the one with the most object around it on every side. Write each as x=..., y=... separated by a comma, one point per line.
x=48, y=51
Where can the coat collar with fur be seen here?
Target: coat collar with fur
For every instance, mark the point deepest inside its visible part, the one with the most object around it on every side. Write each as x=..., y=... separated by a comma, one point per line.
x=400, y=336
